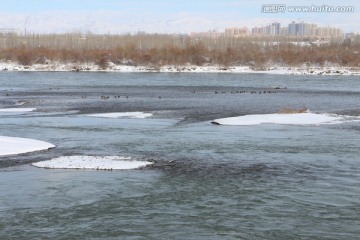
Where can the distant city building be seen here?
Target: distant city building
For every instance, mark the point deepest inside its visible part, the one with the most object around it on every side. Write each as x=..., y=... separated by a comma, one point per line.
x=283, y=31
x=236, y=32
x=277, y=28
x=297, y=29
x=352, y=38
x=256, y=30
x=312, y=30
x=272, y=29
x=209, y=34
x=9, y=30
x=292, y=29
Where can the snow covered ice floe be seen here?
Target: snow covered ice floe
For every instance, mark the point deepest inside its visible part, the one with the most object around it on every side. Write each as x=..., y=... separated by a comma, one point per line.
x=15, y=145
x=92, y=162
x=16, y=110
x=121, y=115
x=307, y=118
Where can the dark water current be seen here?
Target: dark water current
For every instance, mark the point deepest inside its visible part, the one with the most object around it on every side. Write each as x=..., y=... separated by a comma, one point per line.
x=208, y=182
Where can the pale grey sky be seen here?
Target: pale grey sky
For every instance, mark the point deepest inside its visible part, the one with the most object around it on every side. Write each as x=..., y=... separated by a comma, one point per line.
x=163, y=16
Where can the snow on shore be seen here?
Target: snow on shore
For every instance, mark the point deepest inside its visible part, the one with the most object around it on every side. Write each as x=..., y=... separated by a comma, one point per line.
x=92, y=162
x=307, y=118
x=121, y=115
x=303, y=70
x=15, y=145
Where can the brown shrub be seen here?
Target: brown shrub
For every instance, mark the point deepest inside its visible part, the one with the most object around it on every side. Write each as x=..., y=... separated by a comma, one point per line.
x=24, y=57
x=103, y=62
x=160, y=49
x=293, y=110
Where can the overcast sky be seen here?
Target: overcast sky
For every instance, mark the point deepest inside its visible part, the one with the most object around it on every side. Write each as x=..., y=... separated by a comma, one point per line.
x=162, y=16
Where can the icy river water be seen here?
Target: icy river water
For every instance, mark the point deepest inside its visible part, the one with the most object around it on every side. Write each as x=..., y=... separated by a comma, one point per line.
x=265, y=181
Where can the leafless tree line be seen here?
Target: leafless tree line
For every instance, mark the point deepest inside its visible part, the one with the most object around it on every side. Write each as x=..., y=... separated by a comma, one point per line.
x=163, y=49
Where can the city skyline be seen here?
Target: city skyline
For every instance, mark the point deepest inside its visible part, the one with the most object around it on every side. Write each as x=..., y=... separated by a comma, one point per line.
x=162, y=16
x=293, y=29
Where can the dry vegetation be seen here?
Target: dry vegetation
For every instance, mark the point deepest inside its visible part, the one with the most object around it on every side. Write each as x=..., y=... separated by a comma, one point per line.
x=293, y=110
x=157, y=50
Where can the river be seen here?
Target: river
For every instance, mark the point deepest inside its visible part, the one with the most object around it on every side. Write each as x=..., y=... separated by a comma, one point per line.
x=265, y=181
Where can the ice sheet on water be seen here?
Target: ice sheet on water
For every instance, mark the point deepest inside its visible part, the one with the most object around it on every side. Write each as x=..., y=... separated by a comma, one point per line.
x=92, y=162
x=15, y=145
x=121, y=115
x=306, y=118
x=16, y=110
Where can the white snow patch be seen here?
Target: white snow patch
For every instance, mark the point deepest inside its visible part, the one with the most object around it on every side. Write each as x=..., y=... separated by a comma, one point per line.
x=92, y=162
x=14, y=145
x=16, y=110
x=121, y=115
x=20, y=103
x=307, y=118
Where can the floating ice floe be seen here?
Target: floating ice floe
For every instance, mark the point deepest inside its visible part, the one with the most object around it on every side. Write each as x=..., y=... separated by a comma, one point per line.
x=121, y=115
x=16, y=110
x=20, y=103
x=307, y=118
x=92, y=162
x=14, y=145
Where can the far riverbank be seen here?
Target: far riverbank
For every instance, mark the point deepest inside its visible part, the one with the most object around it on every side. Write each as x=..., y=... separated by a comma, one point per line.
x=90, y=67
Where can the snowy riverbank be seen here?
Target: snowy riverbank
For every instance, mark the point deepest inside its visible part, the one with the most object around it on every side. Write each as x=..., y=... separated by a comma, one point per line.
x=302, y=70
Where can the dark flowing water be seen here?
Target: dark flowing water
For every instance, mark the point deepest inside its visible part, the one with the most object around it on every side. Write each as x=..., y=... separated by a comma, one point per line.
x=208, y=182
